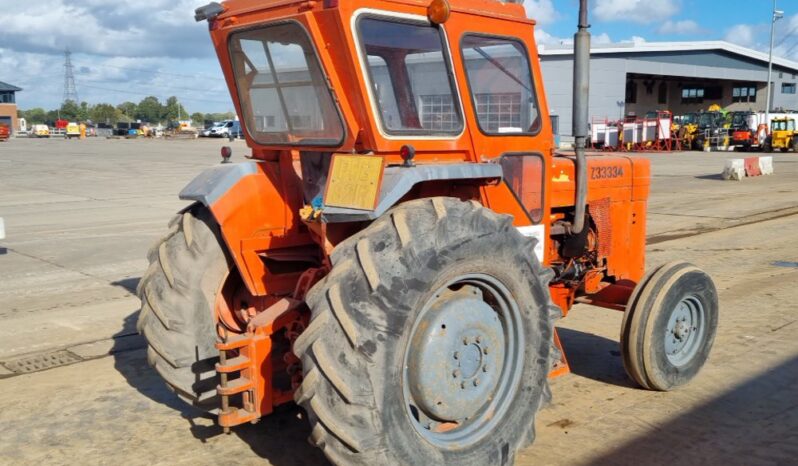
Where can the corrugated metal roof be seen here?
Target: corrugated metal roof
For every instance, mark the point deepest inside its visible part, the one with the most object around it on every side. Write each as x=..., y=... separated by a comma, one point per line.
x=8, y=87
x=654, y=47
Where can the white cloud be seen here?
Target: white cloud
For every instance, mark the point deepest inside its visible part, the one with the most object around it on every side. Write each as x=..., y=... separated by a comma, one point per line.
x=152, y=28
x=601, y=39
x=541, y=11
x=741, y=34
x=682, y=27
x=637, y=11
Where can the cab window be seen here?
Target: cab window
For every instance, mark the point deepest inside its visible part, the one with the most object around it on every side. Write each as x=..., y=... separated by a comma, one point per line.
x=500, y=83
x=282, y=88
x=409, y=75
x=524, y=173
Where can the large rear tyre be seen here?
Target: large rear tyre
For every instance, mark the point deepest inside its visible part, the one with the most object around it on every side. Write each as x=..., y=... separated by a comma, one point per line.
x=178, y=292
x=430, y=340
x=669, y=326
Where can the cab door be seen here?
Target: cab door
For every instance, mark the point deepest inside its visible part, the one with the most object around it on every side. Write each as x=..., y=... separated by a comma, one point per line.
x=506, y=111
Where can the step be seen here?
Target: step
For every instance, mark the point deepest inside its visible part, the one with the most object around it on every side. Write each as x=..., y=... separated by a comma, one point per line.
x=234, y=342
x=236, y=416
x=238, y=385
x=236, y=364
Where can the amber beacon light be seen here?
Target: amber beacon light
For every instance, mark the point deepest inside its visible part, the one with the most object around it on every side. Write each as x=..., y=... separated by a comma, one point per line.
x=438, y=11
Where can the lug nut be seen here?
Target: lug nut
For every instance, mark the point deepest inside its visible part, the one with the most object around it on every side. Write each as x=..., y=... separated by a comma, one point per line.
x=476, y=382
x=462, y=385
x=456, y=373
x=485, y=350
x=457, y=355
x=485, y=368
x=465, y=340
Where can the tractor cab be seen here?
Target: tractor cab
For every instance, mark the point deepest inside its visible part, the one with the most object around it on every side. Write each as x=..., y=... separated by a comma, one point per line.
x=782, y=135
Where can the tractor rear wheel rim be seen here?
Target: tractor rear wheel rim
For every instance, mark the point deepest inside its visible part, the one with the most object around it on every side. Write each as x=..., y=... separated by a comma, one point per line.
x=463, y=363
x=685, y=330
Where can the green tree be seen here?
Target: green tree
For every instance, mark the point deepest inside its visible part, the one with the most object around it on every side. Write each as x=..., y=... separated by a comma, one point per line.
x=83, y=111
x=174, y=110
x=70, y=110
x=128, y=110
x=33, y=116
x=104, y=113
x=198, y=118
x=150, y=110
x=51, y=116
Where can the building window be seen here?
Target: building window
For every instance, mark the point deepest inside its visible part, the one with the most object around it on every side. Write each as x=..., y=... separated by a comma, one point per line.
x=631, y=92
x=788, y=88
x=662, y=93
x=744, y=93
x=499, y=110
x=6, y=97
x=437, y=113
x=692, y=95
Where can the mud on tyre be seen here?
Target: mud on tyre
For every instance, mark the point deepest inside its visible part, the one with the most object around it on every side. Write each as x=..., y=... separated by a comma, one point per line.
x=187, y=268
x=432, y=278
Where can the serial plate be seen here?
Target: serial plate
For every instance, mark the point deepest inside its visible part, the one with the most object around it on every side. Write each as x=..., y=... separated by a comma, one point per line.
x=354, y=182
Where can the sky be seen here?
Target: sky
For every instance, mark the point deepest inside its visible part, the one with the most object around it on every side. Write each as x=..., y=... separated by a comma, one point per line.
x=125, y=51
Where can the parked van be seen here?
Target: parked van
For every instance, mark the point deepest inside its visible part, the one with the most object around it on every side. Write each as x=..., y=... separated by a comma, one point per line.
x=40, y=131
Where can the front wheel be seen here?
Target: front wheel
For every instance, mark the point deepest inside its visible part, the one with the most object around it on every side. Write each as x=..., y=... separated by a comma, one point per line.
x=669, y=326
x=430, y=340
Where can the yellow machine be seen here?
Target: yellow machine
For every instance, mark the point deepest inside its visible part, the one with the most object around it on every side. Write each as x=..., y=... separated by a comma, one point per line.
x=687, y=129
x=782, y=135
x=72, y=130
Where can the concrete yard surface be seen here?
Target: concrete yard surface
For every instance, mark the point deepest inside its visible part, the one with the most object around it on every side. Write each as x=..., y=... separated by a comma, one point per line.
x=75, y=387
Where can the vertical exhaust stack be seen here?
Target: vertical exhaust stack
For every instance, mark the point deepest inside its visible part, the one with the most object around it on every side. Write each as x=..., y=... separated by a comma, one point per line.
x=580, y=113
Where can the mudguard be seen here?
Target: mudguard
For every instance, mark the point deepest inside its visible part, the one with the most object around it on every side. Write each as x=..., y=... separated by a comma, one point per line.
x=399, y=180
x=257, y=204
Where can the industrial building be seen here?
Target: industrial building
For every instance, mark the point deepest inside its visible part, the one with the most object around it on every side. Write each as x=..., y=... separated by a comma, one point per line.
x=8, y=106
x=678, y=76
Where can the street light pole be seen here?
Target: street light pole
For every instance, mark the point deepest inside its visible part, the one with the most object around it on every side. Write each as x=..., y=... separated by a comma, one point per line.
x=776, y=15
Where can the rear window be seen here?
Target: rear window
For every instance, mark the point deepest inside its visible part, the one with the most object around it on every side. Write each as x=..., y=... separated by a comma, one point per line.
x=282, y=88
x=409, y=75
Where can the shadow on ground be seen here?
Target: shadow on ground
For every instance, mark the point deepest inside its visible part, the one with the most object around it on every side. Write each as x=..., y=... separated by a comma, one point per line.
x=280, y=438
x=594, y=357
x=713, y=176
x=747, y=424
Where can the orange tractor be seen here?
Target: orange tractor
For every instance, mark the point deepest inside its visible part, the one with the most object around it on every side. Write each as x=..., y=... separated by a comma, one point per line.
x=394, y=253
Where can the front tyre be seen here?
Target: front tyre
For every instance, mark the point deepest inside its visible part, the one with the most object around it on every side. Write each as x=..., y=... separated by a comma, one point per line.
x=669, y=326
x=430, y=340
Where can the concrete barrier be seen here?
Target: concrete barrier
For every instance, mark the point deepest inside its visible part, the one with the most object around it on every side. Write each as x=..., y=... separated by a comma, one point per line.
x=737, y=169
x=766, y=165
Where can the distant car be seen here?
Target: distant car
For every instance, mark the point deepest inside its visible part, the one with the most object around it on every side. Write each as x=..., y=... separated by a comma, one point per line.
x=226, y=129
x=207, y=132
x=235, y=131
x=40, y=131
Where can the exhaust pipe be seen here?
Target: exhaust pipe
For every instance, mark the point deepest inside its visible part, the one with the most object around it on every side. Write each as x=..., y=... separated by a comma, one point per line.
x=580, y=114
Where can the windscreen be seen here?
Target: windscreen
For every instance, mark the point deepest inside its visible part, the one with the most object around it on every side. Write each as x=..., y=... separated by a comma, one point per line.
x=283, y=92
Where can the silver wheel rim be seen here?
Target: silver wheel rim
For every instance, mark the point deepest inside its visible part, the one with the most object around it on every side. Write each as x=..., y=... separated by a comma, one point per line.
x=463, y=362
x=685, y=331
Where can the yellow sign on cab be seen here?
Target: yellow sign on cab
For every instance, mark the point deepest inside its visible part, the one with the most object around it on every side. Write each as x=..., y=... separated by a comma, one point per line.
x=354, y=181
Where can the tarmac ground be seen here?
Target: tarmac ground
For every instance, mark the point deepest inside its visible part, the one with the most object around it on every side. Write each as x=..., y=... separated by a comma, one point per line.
x=75, y=386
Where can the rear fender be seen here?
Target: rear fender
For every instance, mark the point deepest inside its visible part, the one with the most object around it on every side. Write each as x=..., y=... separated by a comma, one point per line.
x=255, y=205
